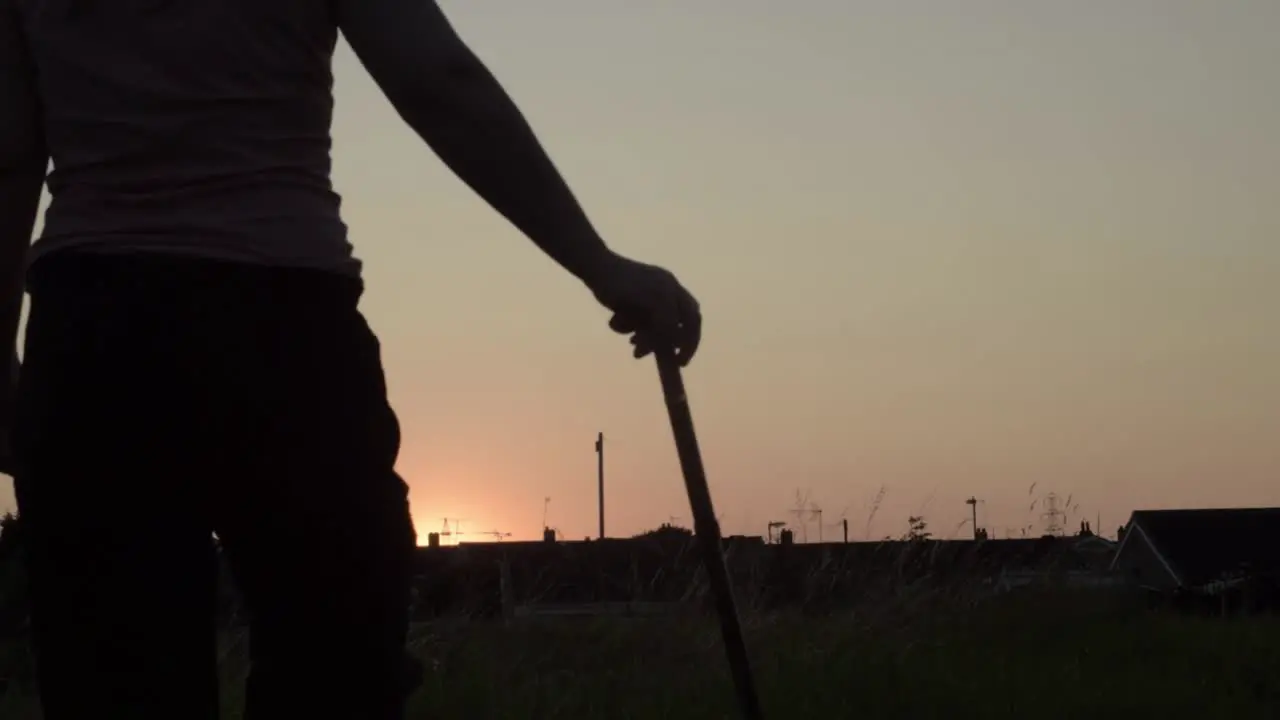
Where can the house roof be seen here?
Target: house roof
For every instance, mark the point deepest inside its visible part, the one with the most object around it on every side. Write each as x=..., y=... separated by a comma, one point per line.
x=1201, y=545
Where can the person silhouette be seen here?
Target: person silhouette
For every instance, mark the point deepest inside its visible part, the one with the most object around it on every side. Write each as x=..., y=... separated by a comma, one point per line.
x=195, y=362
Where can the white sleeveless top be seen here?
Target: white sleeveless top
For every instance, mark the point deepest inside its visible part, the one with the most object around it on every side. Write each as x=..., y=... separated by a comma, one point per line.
x=192, y=127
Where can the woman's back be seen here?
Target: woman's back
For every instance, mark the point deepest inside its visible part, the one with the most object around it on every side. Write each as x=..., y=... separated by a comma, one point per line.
x=228, y=394
x=196, y=127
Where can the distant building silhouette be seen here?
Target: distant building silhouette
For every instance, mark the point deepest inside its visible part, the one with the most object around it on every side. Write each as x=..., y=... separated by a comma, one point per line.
x=1205, y=552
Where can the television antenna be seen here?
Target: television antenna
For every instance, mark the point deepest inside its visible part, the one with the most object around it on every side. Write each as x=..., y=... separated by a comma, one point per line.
x=455, y=531
x=815, y=512
x=802, y=513
x=842, y=523
x=774, y=526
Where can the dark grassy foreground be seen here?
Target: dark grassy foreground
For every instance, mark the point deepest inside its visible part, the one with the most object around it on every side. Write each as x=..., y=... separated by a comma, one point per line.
x=1040, y=655
x=993, y=662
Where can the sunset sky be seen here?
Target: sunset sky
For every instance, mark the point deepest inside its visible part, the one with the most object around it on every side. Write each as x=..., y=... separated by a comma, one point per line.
x=945, y=248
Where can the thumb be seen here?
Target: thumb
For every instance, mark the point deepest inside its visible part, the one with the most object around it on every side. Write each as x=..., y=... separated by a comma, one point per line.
x=621, y=323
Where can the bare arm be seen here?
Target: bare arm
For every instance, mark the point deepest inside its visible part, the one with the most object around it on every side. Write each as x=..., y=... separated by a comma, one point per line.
x=447, y=95
x=23, y=160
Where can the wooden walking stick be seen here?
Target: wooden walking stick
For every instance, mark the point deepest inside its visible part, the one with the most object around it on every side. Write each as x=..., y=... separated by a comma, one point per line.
x=707, y=532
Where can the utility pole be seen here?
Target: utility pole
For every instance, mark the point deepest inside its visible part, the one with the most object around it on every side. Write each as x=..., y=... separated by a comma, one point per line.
x=973, y=503
x=600, y=477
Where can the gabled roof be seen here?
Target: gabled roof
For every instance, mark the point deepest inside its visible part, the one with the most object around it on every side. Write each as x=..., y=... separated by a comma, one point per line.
x=1199, y=546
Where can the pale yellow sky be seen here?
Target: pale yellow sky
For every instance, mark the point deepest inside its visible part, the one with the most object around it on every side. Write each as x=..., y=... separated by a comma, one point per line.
x=948, y=248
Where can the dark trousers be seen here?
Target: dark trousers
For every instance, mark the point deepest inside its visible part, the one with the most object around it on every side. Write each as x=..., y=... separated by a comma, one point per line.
x=163, y=400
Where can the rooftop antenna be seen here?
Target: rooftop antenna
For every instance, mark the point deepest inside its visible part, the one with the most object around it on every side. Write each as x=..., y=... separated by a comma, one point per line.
x=816, y=513
x=843, y=523
x=456, y=531
x=546, y=505
x=774, y=525
x=801, y=513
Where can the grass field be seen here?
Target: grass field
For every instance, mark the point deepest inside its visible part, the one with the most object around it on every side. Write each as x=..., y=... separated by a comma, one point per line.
x=1044, y=655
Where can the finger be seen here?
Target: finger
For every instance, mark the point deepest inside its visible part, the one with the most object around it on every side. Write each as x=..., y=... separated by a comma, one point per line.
x=690, y=328
x=623, y=324
x=692, y=339
x=666, y=322
x=642, y=345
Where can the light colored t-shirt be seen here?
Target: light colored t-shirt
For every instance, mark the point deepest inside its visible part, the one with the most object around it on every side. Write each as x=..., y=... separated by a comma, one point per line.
x=195, y=128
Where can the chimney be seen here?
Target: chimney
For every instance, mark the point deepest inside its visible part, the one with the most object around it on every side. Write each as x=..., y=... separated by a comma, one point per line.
x=549, y=536
x=433, y=540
